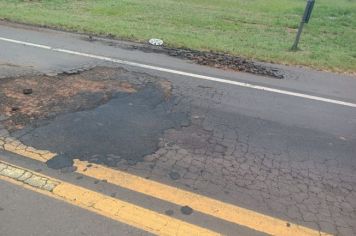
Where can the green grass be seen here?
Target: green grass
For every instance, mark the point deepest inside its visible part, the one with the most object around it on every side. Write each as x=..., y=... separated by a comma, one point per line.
x=259, y=29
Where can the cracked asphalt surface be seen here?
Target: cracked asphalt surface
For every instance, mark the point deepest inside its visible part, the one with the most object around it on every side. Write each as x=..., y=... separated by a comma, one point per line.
x=285, y=157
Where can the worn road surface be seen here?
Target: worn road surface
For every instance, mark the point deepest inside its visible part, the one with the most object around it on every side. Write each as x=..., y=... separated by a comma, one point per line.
x=97, y=139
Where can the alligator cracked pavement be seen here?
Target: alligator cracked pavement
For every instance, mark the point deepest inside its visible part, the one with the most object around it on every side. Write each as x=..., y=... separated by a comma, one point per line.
x=283, y=157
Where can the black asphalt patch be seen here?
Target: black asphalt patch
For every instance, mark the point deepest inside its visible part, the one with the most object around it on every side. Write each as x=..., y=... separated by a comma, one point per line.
x=186, y=210
x=60, y=161
x=128, y=128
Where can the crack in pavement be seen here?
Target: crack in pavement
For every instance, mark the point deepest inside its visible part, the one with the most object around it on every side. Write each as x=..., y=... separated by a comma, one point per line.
x=302, y=176
x=27, y=177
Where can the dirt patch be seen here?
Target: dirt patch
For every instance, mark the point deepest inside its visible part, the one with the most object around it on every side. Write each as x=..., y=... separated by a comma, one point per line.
x=54, y=95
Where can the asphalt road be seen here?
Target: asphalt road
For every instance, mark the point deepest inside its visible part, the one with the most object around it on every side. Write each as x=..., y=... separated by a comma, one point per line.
x=51, y=217
x=288, y=153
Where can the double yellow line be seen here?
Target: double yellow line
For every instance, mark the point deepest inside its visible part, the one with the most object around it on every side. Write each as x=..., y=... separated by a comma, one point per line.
x=151, y=221
x=113, y=208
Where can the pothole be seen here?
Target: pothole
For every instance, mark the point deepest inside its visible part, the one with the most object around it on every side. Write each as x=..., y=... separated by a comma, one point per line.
x=102, y=116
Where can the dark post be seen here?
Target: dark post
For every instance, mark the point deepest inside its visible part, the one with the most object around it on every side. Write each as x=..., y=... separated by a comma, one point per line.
x=305, y=20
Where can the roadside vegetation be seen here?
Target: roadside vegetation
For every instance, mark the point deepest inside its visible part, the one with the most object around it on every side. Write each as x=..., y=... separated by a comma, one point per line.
x=256, y=29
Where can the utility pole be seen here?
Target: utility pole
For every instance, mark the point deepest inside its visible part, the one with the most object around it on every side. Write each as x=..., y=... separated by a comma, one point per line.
x=305, y=20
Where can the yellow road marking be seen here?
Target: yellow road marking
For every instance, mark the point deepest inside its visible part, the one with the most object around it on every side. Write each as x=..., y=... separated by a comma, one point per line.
x=109, y=207
x=14, y=146
x=209, y=206
x=224, y=211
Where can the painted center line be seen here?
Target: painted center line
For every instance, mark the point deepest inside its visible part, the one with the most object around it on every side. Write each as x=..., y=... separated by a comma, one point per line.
x=182, y=73
x=106, y=206
x=204, y=204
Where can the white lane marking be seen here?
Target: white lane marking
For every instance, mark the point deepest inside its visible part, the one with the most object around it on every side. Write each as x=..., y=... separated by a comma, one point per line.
x=177, y=72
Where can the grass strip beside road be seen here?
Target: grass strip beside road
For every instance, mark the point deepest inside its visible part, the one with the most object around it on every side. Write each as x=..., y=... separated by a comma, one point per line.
x=258, y=29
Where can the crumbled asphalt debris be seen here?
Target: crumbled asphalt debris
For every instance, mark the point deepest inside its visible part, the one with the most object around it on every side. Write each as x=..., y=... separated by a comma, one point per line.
x=186, y=210
x=27, y=91
x=90, y=38
x=225, y=61
x=208, y=58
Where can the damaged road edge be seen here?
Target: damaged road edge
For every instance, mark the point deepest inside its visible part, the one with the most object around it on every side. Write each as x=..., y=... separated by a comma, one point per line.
x=27, y=177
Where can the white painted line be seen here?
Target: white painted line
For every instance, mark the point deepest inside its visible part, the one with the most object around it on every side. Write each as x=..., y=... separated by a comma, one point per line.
x=177, y=72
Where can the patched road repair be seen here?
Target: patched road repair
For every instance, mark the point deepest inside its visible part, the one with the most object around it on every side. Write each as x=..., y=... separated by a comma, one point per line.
x=138, y=143
x=103, y=115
